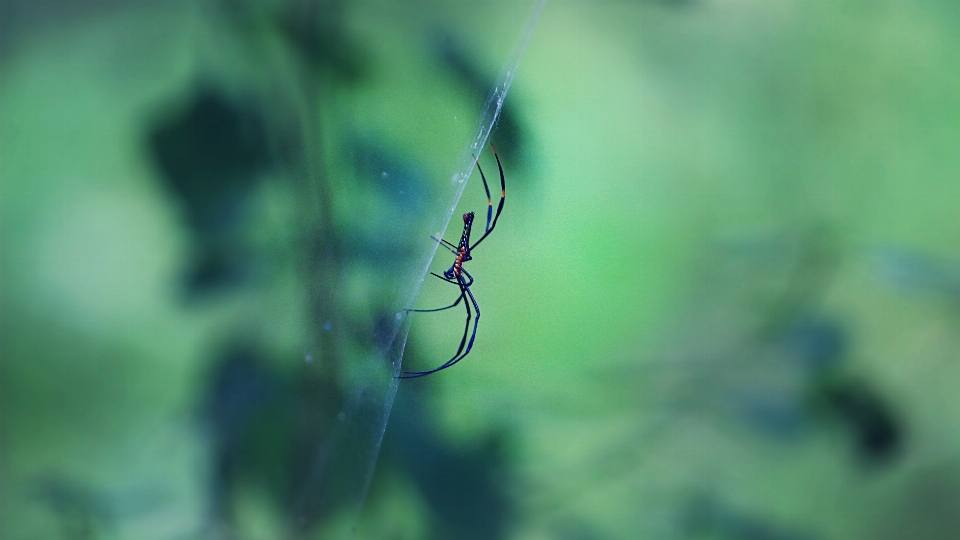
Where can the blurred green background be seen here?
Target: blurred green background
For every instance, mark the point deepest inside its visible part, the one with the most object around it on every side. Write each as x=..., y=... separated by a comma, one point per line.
x=723, y=301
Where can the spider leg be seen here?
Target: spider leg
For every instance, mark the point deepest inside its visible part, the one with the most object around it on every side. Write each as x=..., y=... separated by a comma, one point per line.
x=459, y=298
x=448, y=245
x=460, y=356
x=434, y=274
x=486, y=189
x=465, y=290
x=503, y=195
x=466, y=327
x=476, y=322
x=463, y=340
x=455, y=282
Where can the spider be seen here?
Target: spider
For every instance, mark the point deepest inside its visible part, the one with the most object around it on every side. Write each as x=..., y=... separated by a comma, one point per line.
x=457, y=275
